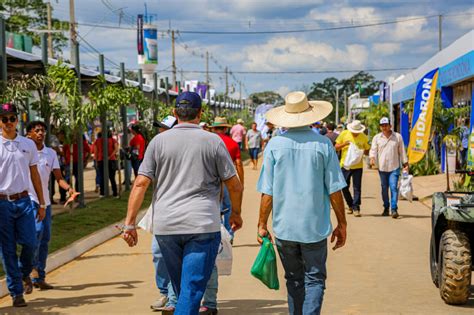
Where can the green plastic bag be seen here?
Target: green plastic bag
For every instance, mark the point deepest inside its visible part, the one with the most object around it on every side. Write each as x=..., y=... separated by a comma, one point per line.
x=265, y=266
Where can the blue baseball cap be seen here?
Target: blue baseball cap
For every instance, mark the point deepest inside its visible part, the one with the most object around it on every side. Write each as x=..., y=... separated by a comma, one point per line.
x=188, y=100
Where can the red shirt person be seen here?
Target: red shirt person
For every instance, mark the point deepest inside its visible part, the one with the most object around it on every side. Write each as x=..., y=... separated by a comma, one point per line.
x=137, y=148
x=112, y=148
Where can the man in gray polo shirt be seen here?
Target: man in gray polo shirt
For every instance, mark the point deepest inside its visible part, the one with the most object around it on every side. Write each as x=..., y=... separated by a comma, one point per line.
x=188, y=165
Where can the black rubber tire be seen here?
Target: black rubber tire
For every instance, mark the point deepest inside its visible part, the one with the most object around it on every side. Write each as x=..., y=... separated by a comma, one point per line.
x=454, y=267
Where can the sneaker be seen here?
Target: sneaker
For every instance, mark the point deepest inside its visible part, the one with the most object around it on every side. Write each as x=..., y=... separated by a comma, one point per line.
x=395, y=215
x=27, y=285
x=19, y=301
x=42, y=285
x=160, y=303
x=385, y=212
x=357, y=213
x=350, y=211
x=97, y=188
x=204, y=310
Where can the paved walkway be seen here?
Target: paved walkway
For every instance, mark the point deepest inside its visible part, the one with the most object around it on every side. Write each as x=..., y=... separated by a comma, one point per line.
x=382, y=270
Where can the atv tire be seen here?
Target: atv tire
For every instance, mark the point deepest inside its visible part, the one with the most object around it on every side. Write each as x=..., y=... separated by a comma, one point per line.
x=454, y=263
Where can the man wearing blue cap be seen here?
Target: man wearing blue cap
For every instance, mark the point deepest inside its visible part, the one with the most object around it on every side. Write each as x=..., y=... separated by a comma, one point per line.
x=188, y=165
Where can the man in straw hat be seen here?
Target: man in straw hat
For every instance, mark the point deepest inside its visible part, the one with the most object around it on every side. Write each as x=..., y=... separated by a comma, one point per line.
x=300, y=178
x=353, y=134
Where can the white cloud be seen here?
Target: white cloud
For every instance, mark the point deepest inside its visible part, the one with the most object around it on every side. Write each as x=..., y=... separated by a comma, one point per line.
x=462, y=21
x=340, y=13
x=284, y=53
x=386, y=48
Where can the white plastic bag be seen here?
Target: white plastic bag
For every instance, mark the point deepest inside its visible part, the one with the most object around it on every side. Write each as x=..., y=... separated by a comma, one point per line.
x=224, y=256
x=406, y=187
x=353, y=157
x=146, y=223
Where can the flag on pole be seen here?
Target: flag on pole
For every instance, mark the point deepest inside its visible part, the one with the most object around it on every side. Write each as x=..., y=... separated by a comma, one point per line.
x=422, y=116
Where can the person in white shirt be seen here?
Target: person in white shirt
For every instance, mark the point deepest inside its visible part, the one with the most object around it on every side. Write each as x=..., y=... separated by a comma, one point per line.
x=18, y=166
x=48, y=164
x=388, y=154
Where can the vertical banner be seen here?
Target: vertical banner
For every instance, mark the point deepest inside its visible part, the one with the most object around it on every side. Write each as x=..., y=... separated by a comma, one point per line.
x=260, y=112
x=470, y=147
x=422, y=116
x=404, y=125
x=150, y=43
x=140, y=35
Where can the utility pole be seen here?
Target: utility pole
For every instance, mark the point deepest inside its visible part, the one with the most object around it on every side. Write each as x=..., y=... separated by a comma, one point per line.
x=345, y=105
x=123, y=111
x=105, y=137
x=167, y=87
x=72, y=29
x=440, y=32
x=208, y=93
x=240, y=94
x=226, y=85
x=337, y=105
x=3, y=51
x=50, y=27
x=80, y=143
x=173, y=60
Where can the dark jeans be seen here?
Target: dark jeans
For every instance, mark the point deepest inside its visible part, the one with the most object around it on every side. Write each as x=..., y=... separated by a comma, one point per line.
x=390, y=180
x=356, y=175
x=112, y=170
x=190, y=259
x=17, y=226
x=136, y=165
x=305, y=274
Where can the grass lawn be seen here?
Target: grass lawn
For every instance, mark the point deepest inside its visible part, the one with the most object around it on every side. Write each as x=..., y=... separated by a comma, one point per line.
x=70, y=227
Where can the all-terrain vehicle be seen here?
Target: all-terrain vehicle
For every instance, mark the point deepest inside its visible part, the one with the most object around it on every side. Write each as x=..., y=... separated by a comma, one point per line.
x=452, y=241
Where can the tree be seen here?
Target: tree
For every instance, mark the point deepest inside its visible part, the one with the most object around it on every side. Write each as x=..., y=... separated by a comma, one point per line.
x=22, y=16
x=267, y=97
x=361, y=82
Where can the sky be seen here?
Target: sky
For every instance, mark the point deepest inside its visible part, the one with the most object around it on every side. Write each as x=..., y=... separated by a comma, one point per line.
x=406, y=44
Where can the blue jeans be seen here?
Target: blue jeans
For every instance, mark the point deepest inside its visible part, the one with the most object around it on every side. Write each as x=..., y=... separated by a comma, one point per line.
x=305, y=274
x=390, y=180
x=162, y=278
x=190, y=259
x=253, y=152
x=356, y=176
x=43, y=235
x=226, y=210
x=210, y=296
x=17, y=225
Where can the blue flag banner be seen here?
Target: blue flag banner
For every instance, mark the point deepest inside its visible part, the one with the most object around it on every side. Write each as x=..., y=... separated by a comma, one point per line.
x=404, y=125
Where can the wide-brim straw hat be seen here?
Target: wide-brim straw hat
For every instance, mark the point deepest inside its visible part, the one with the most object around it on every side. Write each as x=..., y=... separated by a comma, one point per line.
x=240, y=121
x=220, y=122
x=298, y=111
x=356, y=127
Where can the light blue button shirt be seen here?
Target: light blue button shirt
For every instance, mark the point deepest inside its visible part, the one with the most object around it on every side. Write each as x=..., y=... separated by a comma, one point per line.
x=300, y=170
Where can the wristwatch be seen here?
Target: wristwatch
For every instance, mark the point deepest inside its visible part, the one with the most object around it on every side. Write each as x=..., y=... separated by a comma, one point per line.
x=129, y=227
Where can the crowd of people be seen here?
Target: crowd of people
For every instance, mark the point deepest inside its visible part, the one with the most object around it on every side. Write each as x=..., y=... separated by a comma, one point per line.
x=197, y=177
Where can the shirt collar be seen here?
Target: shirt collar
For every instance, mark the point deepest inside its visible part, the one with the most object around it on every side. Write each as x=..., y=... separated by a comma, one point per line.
x=186, y=126
x=298, y=129
x=16, y=140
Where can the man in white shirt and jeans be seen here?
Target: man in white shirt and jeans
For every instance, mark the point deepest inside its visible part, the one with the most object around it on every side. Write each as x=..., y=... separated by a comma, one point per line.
x=388, y=153
x=48, y=164
x=18, y=166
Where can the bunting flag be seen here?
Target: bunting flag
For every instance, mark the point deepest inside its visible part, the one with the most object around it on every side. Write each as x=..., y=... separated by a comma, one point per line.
x=422, y=117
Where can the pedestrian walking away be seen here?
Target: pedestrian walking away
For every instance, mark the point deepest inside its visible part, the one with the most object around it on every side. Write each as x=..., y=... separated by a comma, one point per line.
x=167, y=299
x=354, y=135
x=254, y=143
x=220, y=127
x=388, y=154
x=48, y=165
x=238, y=132
x=301, y=200
x=18, y=166
x=188, y=165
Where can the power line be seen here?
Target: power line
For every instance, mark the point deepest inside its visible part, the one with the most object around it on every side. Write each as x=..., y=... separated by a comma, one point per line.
x=303, y=71
x=308, y=30
x=97, y=51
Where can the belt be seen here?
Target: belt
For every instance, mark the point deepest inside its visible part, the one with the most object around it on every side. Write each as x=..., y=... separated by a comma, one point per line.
x=14, y=197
